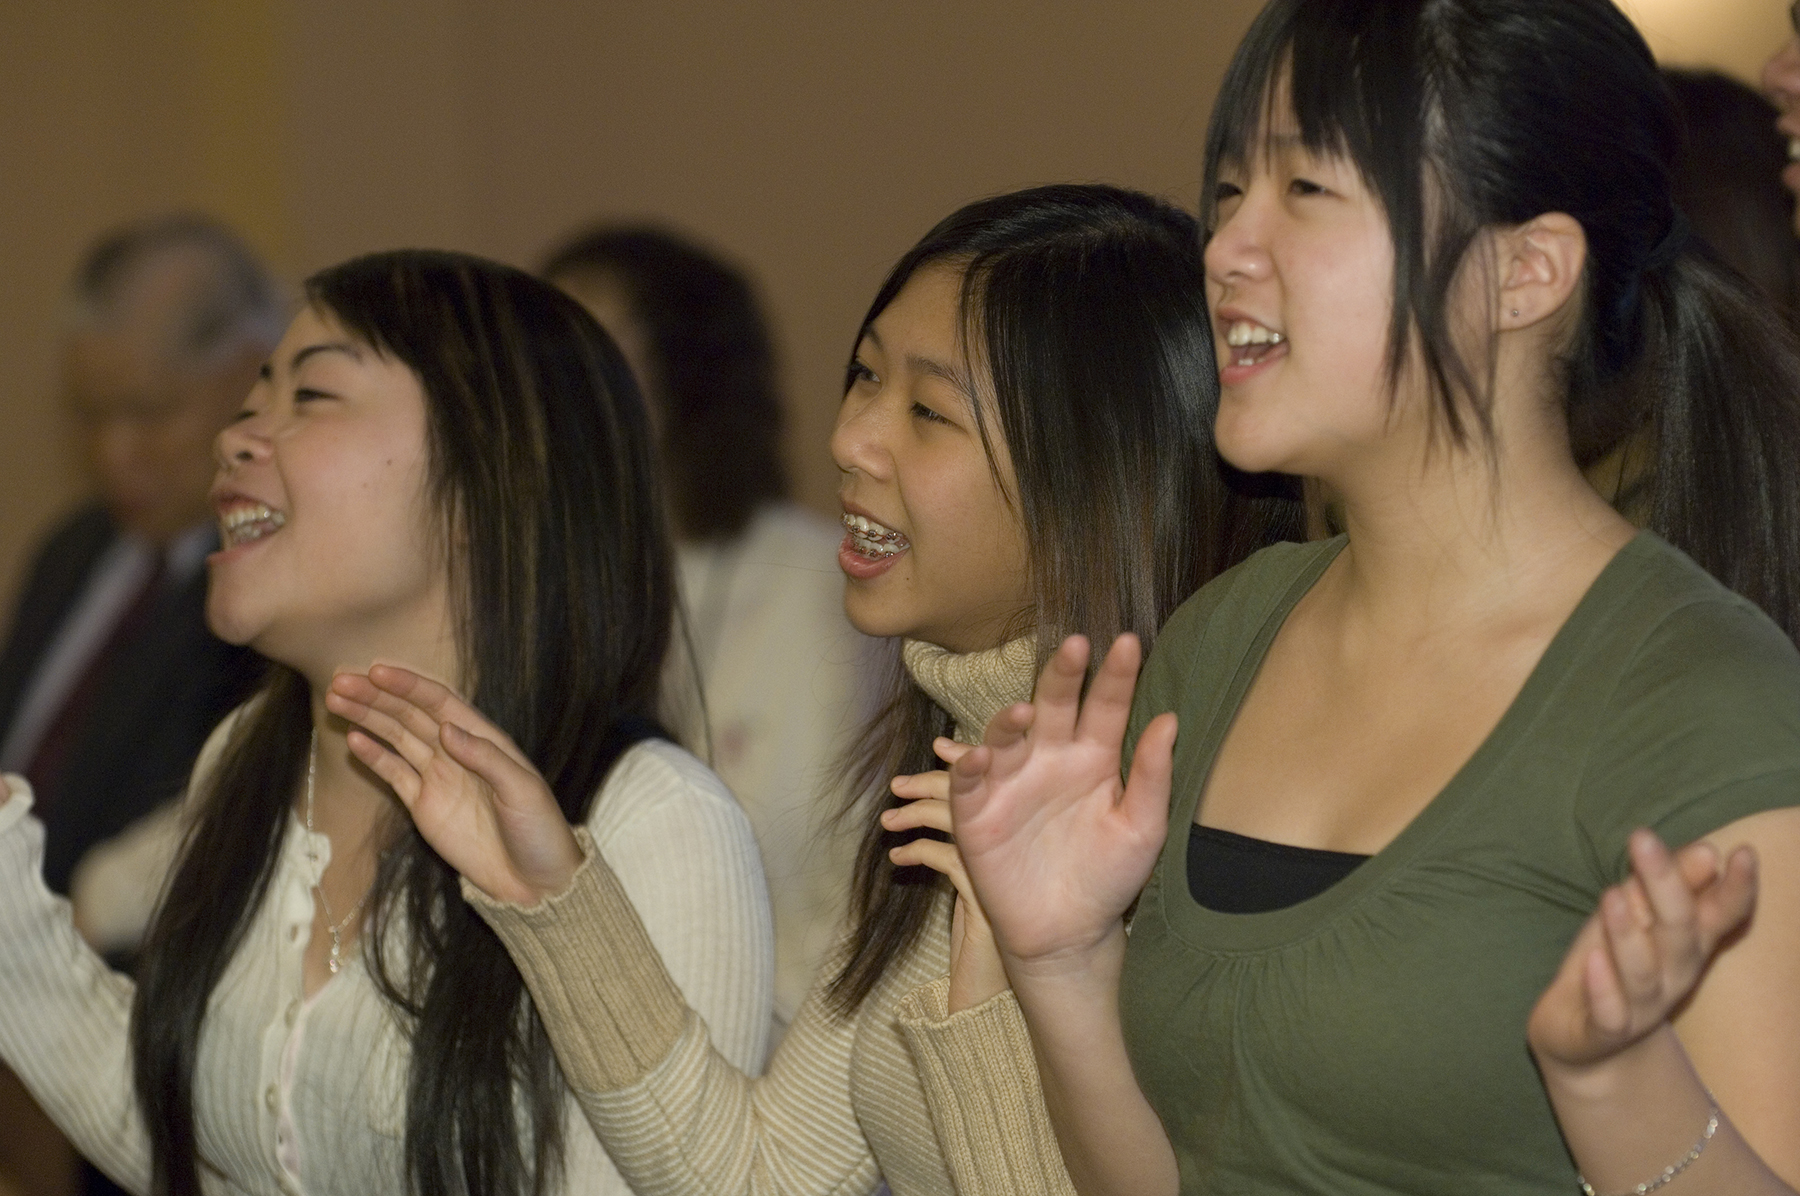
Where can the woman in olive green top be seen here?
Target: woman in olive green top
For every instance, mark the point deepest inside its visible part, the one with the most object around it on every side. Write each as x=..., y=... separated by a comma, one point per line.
x=1445, y=272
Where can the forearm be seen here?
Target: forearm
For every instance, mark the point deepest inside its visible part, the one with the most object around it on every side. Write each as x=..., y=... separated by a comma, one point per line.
x=64, y=1016
x=1645, y=1109
x=1112, y=1140
x=676, y=1115
x=981, y=1086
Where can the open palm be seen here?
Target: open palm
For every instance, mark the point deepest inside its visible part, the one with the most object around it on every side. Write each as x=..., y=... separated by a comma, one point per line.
x=473, y=795
x=1056, y=846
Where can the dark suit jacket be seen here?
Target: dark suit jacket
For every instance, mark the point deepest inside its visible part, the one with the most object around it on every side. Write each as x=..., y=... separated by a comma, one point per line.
x=167, y=688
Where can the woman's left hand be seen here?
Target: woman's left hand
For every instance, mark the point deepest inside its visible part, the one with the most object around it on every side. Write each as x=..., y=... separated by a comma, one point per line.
x=976, y=973
x=1643, y=952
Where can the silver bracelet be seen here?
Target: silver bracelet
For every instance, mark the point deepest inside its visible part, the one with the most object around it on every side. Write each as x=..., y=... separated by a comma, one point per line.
x=1674, y=1169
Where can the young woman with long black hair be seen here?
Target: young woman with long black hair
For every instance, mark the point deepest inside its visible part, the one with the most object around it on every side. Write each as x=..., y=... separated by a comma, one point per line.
x=1444, y=272
x=1024, y=448
x=443, y=465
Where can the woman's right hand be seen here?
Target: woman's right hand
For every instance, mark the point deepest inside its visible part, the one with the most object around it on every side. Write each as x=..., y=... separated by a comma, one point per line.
x=474, y=796
x=1056, y=846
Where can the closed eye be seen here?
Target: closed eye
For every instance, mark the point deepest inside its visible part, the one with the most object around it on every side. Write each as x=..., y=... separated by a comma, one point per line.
x=1305, y=187
x=921, y=411
x=306, y=393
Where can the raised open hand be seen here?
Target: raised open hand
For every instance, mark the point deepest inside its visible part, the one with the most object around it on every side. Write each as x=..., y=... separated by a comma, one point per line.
x=1643, y=952
x=473, y=795
x=976, y=973
x=1056, y=846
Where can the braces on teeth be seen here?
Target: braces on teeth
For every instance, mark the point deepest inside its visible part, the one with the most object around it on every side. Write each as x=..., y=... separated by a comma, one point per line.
x=872, y=539
x=240, y=525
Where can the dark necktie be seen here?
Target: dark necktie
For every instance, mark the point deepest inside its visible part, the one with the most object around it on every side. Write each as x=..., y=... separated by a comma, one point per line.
x=49, y=761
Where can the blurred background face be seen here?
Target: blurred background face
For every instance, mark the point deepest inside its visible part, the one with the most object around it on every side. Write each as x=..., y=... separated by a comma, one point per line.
x=607, y=300
x=146, y=416
x=1782, y=80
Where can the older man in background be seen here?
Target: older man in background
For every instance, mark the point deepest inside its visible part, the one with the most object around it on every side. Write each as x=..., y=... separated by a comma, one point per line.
x=109, y=679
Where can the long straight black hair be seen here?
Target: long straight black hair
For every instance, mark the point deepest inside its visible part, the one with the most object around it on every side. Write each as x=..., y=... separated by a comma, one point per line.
x=1088, y=306
x=552, y=528
x=1496, y=112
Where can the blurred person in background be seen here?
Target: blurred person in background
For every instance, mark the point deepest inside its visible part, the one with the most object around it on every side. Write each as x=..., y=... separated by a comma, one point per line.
x=1728, y=181
x=779, y=667
x=1781, y=79
x=109, y=678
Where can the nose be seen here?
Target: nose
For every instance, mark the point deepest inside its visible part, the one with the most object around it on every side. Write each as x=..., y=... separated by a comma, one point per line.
x=1237, y=251
x=1781, y=77
x=243, y=441
x=859, y=441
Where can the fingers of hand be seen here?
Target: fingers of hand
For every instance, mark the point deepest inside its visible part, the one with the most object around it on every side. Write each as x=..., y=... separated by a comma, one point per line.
x=400, y=776
x=439, y=703
x=923, y=785
x=1608, y=1008
x=1728, y=903
x=1636, y=954
x=1108, y=705
x=1058, y=694
x=1146, y=798
x=514, y=782
x=1670, y=900
x=927, y=812
x=414, y=738
x=937, y=855
x=948, y=750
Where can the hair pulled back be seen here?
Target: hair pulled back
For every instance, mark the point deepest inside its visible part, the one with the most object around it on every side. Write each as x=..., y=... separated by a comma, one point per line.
x=551, y=526
x=1087, y=305
x=1488, y=113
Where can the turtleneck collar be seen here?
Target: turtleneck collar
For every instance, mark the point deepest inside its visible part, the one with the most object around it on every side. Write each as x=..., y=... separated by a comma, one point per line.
x=973, y=687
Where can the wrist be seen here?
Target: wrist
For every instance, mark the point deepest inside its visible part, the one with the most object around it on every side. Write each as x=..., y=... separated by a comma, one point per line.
x=1099, y=961
x=1623, y=1074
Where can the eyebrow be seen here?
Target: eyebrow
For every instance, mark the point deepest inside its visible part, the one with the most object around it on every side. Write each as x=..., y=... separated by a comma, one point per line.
x=300, y=357
x=931, y=368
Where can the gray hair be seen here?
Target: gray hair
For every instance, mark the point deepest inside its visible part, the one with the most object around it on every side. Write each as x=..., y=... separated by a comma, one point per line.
x=235, y=300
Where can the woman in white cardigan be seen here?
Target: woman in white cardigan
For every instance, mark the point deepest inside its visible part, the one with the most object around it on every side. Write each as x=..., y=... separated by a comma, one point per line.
x=443, y=465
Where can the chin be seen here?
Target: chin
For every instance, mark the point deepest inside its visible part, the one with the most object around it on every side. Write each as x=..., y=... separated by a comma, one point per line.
x=866, y=613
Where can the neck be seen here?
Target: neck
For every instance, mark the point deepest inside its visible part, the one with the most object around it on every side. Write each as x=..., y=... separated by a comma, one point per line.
x=1453, y=535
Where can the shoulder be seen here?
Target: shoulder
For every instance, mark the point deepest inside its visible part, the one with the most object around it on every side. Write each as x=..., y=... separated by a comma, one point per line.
x=1699, y=700
x=656, y=782
x=1248, y=589
x=1693, y=651
x=69, y=550
x=1228, y=611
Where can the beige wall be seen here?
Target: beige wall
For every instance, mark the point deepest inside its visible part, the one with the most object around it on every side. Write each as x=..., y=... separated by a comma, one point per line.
x=814, y=140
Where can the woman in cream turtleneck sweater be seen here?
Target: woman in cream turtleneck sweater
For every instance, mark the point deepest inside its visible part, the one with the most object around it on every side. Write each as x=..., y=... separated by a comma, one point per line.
x=1025, y=449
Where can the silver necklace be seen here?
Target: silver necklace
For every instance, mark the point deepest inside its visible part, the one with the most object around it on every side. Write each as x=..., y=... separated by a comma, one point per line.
x=332, y=927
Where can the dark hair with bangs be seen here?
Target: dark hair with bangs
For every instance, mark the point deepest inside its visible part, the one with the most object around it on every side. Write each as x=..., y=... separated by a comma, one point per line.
x=1087, y=305
x=1501, y=111
x=538, y=448
x=720, y=417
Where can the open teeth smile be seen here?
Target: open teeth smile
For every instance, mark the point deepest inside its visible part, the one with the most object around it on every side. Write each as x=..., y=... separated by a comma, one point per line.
x=1250, y=342
x=251, y=521
x=872, y=539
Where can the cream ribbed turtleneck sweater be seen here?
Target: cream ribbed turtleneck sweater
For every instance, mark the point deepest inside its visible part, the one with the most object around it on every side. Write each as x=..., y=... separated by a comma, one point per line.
x=845, y=1100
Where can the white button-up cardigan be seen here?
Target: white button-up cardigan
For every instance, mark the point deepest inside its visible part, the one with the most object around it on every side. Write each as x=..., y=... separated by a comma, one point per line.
x=333, y=1120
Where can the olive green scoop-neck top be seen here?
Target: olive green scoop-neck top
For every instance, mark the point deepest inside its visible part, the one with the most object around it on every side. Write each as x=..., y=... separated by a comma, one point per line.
x=1371, y=1039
